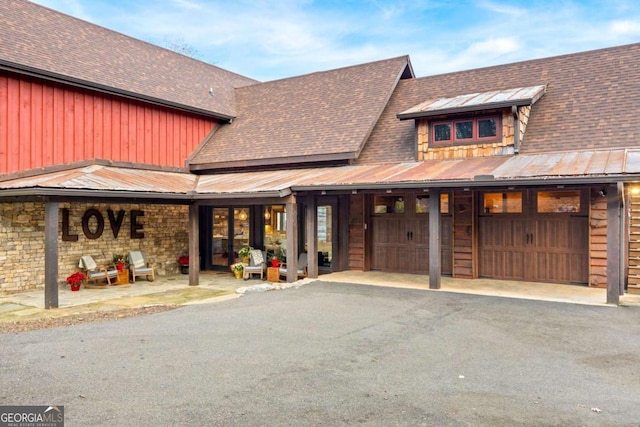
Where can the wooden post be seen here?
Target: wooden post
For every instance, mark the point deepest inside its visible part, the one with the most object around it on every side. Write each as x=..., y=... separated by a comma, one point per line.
x=624, y=239
x=434, y=240
x=292, y=240
x=312, y=237
x=51, y=255
x=614, y=221
x=194, y=245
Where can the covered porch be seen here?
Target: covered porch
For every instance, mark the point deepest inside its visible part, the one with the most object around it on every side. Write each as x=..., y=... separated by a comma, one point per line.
x=301, y=190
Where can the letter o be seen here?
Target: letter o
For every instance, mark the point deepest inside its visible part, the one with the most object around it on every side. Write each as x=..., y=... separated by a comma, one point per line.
x=85, y=224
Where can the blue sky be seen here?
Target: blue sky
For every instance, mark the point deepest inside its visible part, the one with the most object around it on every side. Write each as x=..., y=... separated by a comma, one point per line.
x=272, y=39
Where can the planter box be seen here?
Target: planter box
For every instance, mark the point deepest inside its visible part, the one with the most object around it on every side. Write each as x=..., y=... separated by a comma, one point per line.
x=123, y=277
x=273, y=274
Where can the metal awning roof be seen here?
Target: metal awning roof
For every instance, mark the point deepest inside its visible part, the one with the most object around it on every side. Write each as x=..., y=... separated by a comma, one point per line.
x=475, y=102
x=104, y=180
x=100, y=179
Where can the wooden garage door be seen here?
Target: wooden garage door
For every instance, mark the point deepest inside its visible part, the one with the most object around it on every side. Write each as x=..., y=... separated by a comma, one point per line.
x=400, y=234
x=539, y=236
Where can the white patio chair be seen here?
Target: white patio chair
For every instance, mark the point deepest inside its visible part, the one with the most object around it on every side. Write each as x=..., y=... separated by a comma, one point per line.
x=139, y=266
x=94, y=272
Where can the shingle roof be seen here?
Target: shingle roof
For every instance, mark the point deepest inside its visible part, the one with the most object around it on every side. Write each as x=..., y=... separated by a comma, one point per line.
x=324, y=116
x=37, y=39
x=591, y=102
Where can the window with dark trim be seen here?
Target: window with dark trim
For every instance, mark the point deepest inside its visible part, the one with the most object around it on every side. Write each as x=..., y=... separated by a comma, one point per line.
x=462, y=131
x=566, y=201
x=502, y=203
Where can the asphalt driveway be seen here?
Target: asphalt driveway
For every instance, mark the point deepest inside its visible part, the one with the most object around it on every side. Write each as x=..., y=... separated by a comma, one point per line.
x=338, y=354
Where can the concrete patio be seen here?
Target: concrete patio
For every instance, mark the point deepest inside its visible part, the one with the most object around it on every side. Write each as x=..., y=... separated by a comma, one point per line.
x=226, y=282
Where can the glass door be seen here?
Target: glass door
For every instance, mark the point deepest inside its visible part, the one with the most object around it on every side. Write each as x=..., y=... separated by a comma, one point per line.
x=325, y=236
x=241, y=229
x=220, y=237
x=230, y=232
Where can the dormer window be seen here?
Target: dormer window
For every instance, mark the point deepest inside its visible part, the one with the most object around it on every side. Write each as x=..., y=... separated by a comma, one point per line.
x=462, y=131
x=473, y=125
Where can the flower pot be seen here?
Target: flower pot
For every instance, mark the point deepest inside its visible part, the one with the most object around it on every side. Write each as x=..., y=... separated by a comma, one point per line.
x=238, y=274
x=120, y=266
x=184, y=269
x=75, y=287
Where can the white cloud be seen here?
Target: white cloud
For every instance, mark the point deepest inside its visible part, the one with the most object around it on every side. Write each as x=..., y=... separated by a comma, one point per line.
x=493, y=46
x=626, y=27
x=186, y=4
x=502, y=8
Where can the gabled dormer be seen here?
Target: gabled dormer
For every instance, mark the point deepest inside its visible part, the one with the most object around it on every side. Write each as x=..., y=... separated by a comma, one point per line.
x=473, y=125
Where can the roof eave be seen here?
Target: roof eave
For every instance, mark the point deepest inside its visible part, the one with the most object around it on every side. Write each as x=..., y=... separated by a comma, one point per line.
x=275, y=161
x=467, y=109
x=472, y=183
x=274, y=194
x=85, y=193
x=60, y=78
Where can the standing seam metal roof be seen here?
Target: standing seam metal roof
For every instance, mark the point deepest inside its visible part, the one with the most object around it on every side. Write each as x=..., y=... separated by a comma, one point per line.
x=592, y=166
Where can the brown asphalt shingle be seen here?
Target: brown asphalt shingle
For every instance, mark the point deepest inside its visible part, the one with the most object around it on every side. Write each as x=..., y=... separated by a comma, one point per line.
x=55, y=43
x=321, y=116
x=591, y=102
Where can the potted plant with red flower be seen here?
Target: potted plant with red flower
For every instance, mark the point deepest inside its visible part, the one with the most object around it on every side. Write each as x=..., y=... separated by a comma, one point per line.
x=118, y=260
x=183, y=261
x=75, y=280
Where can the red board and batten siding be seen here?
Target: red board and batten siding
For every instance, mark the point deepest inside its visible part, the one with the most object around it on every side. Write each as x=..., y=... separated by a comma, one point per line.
x=44, y=124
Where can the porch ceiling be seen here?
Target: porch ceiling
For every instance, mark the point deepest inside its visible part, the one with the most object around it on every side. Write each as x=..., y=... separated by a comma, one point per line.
x=106, y=180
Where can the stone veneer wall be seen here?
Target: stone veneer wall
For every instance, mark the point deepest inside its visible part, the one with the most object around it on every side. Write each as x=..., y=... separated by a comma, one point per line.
x=165, y=229
x=21, y=246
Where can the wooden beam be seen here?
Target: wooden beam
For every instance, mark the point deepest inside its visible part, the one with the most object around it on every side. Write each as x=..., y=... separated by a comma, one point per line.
x=614, y=221
x=223, y=203
x=435, y=266
x=312, y=237
x=194, y=245
x=292, y=241
x=51, y=255
x=624, y=237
